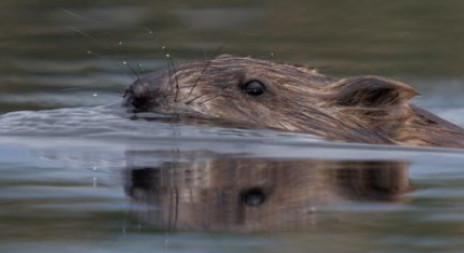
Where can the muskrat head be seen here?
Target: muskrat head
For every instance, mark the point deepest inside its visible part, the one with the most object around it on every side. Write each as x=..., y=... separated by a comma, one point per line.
x=266, y=94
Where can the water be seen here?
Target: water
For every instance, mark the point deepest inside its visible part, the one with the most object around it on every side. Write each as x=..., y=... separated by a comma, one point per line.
x=77, y=173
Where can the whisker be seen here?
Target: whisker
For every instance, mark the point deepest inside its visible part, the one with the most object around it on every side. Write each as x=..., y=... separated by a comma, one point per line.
x=71, y=13
x=215, y=97
x=115, y=63
x=131, y=71
x=201, y=95
x=172, y=68
x=195, y=98
x=134, y=72
x=218, y=50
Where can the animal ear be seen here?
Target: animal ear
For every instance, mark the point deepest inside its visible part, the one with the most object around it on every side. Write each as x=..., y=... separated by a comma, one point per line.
x=372, y=91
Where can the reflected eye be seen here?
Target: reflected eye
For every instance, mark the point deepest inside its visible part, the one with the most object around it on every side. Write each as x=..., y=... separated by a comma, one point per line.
x=253, y=197
x=254, y=88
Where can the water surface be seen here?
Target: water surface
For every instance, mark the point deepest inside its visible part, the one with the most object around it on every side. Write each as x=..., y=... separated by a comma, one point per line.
x=78, y=173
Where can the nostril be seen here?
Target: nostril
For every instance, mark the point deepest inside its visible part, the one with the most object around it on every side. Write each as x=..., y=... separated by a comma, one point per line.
x=138, y=95
x=140, y=102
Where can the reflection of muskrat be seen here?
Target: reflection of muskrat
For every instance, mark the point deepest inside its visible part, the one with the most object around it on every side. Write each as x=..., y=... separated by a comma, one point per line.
x=256, y=194
x=266, y=94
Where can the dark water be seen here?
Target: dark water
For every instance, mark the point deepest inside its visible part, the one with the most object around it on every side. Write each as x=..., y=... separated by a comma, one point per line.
x=77, y=173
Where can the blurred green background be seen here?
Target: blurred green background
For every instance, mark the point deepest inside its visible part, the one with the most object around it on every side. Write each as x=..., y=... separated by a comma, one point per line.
x=44, y=45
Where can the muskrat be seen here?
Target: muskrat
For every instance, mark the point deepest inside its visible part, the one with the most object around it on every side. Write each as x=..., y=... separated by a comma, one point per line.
x=265, y=94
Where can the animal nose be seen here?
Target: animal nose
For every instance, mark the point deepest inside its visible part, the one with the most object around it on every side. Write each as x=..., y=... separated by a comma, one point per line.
x=138, y=95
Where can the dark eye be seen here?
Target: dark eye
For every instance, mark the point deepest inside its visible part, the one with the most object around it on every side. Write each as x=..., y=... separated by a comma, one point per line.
x=254, y=88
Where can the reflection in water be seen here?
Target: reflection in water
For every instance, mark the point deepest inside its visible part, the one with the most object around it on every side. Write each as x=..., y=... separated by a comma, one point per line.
x=255, y=194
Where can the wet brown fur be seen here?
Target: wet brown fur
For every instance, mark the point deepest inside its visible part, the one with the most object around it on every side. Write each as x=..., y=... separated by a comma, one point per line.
x=366, y=109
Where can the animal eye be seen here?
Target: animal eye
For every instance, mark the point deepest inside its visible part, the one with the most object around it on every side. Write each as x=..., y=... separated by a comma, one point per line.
x=254, y=88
